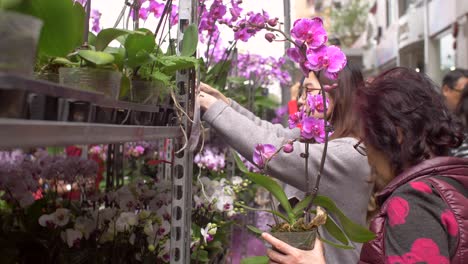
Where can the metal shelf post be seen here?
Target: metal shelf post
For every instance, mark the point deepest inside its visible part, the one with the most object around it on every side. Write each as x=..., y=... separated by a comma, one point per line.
x=183, y=161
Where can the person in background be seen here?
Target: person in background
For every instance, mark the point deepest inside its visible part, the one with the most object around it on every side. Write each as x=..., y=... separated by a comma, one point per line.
x=423, y=217
x=452, y=87
x=462, y=112
x=346, y=177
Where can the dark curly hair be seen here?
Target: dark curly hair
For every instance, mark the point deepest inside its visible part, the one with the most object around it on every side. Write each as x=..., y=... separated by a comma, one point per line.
x=402, y=99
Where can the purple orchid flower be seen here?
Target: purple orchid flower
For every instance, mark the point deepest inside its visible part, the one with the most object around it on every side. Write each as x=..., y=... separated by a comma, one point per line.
x=143, y=13
x=294, y=119
x=313, y=128
x=315, y=102
x=311, y=31
x=156, y=8
x=174, y=15
x=331, y=59
x=262, y=153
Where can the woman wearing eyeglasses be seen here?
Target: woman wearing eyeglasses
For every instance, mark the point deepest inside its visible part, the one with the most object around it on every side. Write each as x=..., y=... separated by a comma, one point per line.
x=346, y=177
x=423, y=201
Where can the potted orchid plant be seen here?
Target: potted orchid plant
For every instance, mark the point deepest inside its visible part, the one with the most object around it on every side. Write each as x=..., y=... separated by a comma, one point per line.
x=312, y=54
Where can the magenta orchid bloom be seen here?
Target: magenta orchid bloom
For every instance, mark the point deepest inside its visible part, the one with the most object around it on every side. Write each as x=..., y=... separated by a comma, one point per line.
x=262, y=153
x=156, y=8
x=311, y=31
x=143, y=13
x=315, y=102
x=331, y=59
x=294, y=119
x=313, y=128
x=174, y=15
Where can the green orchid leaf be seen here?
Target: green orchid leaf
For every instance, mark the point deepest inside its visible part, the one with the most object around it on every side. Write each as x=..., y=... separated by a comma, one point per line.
x=65, y=61
x=218, y=74
x=107, y=35
x=140, y=59
x=190, y=41
x=255, y=230
x=92, y=39
x=301, y=206
x=280, y=215
x=268, y=183
x=138, y=48
x=125, y=85
x=265, y=102
x=171, y=64
x=62, y=29
x=200, y=255
x=237, y=80
x=335, y=244
x=239, y=162
x=275, y=189
x=161, y=77
x=255, y=260
x=334, y=230
x=8, y=4
x=354, y=231
x=96, y=57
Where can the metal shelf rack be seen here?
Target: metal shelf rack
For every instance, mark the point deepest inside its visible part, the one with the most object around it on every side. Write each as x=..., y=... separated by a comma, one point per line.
x=51, y=114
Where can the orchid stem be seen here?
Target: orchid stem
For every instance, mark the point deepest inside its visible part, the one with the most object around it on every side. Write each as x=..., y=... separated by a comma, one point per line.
x=324, y=153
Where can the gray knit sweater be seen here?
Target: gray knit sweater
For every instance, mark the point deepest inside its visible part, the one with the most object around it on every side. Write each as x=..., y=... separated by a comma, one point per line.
x=346, y=174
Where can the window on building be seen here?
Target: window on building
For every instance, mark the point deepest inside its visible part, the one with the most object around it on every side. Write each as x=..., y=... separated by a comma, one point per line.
x=390, y=11
x=447, y=53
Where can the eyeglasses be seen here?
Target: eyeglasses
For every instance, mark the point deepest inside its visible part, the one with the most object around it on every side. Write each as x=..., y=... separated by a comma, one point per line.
x=360, y=148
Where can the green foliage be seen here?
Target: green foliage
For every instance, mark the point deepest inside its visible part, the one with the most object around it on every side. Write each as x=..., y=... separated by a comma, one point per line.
x=350, y=230
x=9, y=4
x=107, y=35
x=139, y=48
x=255, y=260
x=354, y=231
x=62, y=29
x=271, y=185
x=96, y=57
x=190, y=40
x=349, y=21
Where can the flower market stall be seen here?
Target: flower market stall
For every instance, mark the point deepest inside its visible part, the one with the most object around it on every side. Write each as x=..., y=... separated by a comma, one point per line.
x=104, y=157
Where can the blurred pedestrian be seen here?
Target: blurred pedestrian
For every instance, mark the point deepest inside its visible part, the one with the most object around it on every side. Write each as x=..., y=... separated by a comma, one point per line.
x=452, y=87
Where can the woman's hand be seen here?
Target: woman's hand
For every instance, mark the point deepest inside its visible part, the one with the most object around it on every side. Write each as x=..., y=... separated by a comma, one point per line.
x=213, y=92
x=292, y=255
x=206, y=100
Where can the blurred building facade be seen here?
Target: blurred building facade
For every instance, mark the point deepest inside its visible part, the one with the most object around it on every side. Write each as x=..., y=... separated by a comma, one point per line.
x=428, y=35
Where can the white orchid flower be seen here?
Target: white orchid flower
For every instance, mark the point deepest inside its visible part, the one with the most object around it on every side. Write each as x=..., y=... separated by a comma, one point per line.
x=61, y=216
x=71, y=236
x=85, y=225
x=125, y=221
x=236, y=180
x=47, y=220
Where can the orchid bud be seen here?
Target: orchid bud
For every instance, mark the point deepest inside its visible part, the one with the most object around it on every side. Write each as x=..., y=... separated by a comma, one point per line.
x=270, y=37
x=273, y=22
x=288, y=148
x=151, y=248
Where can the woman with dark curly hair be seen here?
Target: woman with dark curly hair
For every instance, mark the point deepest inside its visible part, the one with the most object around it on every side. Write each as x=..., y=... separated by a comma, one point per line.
x=423, y=215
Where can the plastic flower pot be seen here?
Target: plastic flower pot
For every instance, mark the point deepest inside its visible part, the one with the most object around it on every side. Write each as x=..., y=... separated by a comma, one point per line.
x=19, y=36
x=47, y=76
x=92, y=79
x=304, y=240
x=145, y=92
